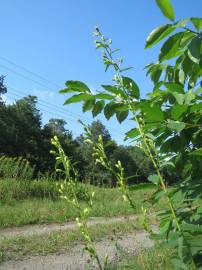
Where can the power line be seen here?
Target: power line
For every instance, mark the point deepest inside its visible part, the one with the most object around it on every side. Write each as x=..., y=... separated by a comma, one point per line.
x=43, y=85
x=41, y=104
x=29, y=71
x=33, y=73
x=25, y=77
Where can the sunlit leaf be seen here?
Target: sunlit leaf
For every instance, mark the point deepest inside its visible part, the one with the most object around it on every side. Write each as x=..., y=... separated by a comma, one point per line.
x=166, y=8
x=77, y=86
x=176, y=125
x=171, y=48
x=178, y=110
x=197, y=22
x=133, y=133
x=158, y=34
x=78, y=98
x=131, y=86
x=197, y=152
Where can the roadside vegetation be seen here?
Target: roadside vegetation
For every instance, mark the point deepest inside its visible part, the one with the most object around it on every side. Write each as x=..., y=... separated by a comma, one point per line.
x=38, y=202
x=151, y=259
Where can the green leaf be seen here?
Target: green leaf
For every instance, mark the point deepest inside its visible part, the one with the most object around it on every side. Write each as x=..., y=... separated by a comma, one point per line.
x=153, y=112
x=98, y=107
x=178, y=110
x=193, y=228
x=154, y=178
x=179, y=97
x=133, y=133
x=113, y=89
x=77, y=86
x=194, y=49
x=121, y=115
x=158, y=34
x=176, y=125
x=189, y=97
x=79, y=98
x=171, y=48
x=181, y=76
x=197, y=22
x=103, y=96
x=197, y=152
x=88, y=105
x=174, y=87
x=112, y=107
x=166, y=8
x=196, y=107
x=131, y=86
x=109, y=110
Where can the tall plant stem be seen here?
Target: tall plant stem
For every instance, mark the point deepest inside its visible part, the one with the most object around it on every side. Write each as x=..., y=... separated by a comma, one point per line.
x=170, y=203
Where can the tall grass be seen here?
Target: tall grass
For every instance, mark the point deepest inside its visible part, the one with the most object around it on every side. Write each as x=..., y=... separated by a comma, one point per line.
x=18, y=190
x=151, y=259
x=15, y=167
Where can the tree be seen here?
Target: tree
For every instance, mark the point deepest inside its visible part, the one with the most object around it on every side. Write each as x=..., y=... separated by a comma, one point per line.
x=96, y=174
x=21, y=129
x=56, y=126
x=137, y=166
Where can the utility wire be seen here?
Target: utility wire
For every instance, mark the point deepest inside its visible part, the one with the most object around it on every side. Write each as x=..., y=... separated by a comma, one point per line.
x=25, y=77
x=30, y=72
x=43, y=85
x=35, y=74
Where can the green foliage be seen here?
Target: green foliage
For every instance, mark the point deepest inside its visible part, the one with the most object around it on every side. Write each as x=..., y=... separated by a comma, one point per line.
x=168, y=125
x=38, y=202
x=15, y=168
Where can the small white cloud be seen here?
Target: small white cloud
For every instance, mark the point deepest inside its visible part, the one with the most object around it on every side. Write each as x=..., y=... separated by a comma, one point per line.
x=43, y=94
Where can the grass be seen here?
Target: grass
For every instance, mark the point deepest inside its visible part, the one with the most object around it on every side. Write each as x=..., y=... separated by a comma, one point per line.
x=151, y=259
x=21, y=246
x=35, y=210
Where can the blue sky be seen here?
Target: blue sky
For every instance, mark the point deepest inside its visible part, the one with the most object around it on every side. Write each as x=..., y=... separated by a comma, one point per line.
x=54, y=40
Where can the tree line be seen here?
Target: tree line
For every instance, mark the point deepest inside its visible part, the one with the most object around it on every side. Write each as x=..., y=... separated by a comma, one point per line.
x=23, y=135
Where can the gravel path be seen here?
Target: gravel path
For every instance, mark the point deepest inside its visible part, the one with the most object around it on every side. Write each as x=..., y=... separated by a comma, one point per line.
x=75, y=260
x=48, y=228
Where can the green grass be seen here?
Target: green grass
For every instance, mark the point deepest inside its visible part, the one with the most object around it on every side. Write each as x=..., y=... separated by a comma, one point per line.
x=21, y=246
x=151, y=259
x=36, y=210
